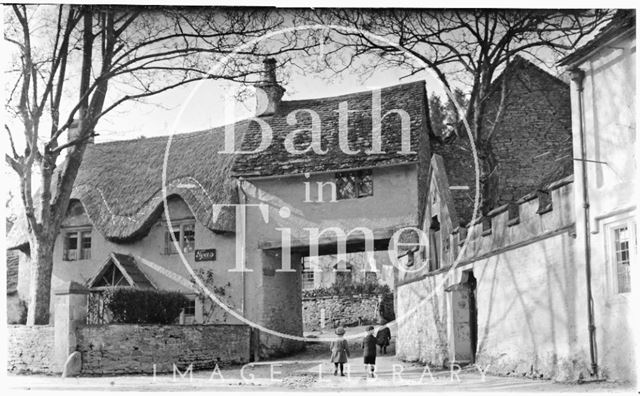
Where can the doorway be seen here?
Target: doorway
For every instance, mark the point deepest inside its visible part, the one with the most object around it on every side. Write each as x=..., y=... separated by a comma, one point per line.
x=465, y=318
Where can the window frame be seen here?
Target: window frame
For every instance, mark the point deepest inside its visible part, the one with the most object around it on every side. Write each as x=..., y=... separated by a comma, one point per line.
x=178, y=227
x=358, y=180
x=610, y=253
x=81, y=253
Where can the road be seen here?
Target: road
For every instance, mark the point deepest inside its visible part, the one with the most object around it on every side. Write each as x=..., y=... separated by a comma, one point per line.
x=311, y=371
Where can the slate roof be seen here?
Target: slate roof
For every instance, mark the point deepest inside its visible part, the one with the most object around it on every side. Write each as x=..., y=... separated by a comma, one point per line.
x=276, y=160
x=622, y=22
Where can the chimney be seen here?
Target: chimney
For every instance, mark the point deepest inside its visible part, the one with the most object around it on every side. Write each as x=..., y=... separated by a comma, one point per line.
x=269, y=92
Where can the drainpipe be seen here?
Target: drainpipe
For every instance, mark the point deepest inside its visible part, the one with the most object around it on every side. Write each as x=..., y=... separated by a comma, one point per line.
x=577, y=75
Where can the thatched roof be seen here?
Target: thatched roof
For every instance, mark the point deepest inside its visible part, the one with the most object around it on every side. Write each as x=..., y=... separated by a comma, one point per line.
x=276, y=160
x=120, y=184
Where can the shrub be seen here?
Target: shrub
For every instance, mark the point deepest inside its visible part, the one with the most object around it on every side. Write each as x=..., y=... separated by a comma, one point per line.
x=144, y=306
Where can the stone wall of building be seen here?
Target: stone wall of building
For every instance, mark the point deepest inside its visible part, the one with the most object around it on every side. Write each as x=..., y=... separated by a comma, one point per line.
x=30, y=349
x=128, y=348
x=530, y=295
x=348, y=310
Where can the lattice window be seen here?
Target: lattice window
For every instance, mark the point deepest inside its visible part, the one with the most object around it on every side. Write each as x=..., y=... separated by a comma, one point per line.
x=356, y=184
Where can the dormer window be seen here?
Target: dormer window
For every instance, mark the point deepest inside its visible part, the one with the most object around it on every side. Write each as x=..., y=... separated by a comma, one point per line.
x=355, y=184
x=77, y=245
x=184, y=233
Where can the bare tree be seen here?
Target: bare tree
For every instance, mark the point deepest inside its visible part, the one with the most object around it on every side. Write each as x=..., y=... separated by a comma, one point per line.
x=467, y=48
x=68, y=57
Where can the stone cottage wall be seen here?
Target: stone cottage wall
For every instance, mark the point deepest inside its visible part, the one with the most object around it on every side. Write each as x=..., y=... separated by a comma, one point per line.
x=30, y=349
x=129, y=349
x=349, y=309
x=530, y=295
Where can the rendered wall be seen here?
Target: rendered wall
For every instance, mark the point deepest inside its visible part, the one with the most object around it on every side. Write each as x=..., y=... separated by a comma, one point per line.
x=609, y=115
x=151, y=247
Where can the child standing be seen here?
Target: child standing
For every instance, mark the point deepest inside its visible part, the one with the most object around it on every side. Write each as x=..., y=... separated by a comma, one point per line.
x=369, y=346
x=339, y=351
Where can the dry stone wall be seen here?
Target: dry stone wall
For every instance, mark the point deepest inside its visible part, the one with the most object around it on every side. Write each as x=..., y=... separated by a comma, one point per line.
x=129, y=349
x=30, y=349
x=349, y=310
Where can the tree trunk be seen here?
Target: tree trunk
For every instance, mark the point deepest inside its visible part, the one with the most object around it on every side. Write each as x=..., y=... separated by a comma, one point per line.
x=488, y=177
x=40, y=281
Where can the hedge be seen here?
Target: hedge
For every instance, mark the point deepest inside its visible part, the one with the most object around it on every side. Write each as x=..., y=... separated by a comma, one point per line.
x=144, y=306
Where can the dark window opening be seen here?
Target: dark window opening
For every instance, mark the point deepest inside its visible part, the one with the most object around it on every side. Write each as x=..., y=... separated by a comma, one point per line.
x=356, y=184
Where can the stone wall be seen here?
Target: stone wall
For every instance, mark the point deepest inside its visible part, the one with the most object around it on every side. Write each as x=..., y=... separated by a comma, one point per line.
x=30, y=349
x=128, y=348
x=348, y=309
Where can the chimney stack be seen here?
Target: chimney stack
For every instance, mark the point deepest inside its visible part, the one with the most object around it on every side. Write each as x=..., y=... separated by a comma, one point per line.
x=269, y=92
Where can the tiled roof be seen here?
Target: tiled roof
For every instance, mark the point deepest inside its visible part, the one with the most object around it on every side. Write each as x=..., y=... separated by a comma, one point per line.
x=276, y=160
x=622, y=21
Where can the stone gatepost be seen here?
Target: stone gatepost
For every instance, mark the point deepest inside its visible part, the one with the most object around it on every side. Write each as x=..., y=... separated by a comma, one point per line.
x=70, y=311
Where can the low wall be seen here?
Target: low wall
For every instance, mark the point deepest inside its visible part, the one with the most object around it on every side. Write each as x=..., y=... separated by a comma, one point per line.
x=348, y=309
x=128, y=348
x=30, y=349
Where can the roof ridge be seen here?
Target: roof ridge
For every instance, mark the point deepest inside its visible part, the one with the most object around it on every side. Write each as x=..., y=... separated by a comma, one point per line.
x=353, y=94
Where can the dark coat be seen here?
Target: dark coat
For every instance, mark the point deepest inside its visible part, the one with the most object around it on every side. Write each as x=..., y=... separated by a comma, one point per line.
x=383, y=336
x=339, y=351
x=369, y=346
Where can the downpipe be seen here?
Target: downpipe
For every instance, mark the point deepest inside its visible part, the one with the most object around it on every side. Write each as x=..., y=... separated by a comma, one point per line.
x=577, y=76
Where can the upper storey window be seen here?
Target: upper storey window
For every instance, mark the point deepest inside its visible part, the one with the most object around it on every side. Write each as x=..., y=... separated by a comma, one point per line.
x=77, y=245
x=355, y=184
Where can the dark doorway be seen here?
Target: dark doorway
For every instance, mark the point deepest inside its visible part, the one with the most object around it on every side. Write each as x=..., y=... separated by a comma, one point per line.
x=465, y=319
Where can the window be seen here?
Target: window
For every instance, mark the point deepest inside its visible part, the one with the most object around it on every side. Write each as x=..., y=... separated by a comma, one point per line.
x=190, y=308
x=308, y=277
x=184, y=234
x=621, y=257
x=77, y=245
x=356, y=184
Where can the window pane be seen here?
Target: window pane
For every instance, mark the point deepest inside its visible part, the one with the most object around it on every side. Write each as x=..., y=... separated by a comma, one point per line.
x=621, y=247
x=346, y=185
x=85, y=242
x=188, y=237
x=365, y=184
x=72, y=240
x=169, y=246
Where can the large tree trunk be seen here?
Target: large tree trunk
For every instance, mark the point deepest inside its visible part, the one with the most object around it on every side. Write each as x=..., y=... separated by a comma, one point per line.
x=40, y=281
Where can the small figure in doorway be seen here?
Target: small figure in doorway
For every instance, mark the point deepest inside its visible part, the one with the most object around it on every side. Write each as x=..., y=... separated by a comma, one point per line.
x=339, y=351
x=383, y=337
x=369, y=346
